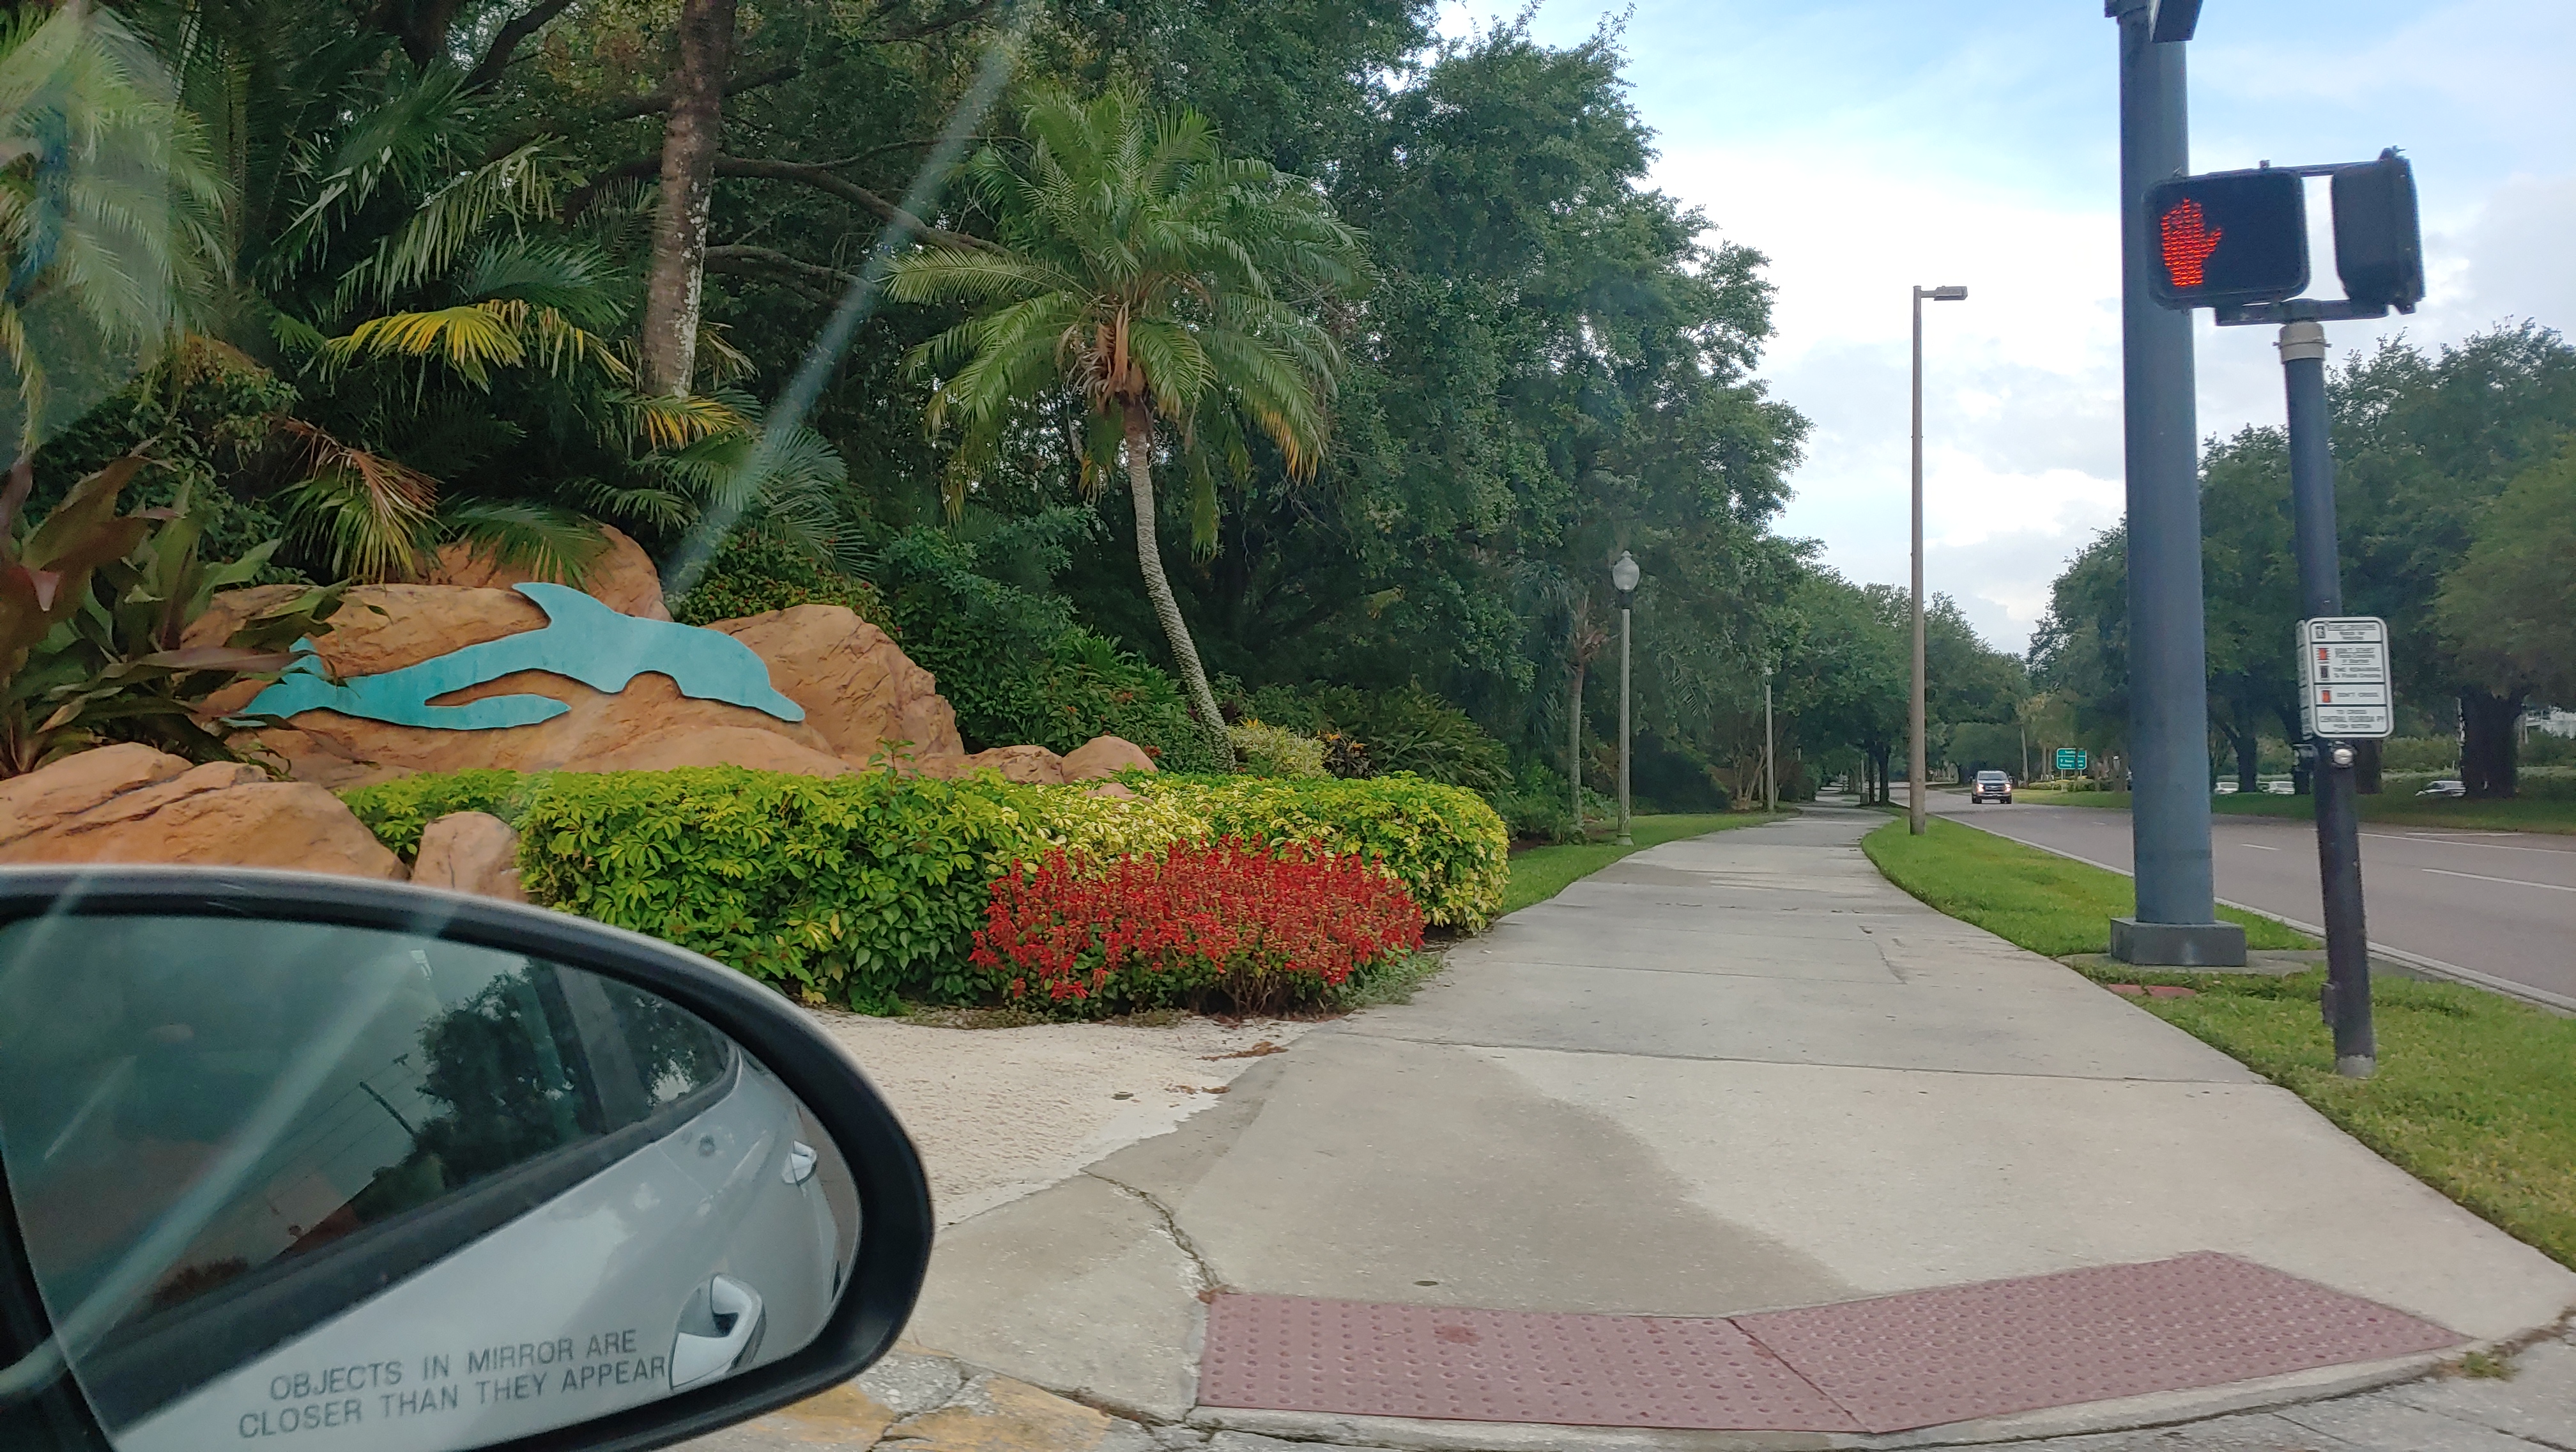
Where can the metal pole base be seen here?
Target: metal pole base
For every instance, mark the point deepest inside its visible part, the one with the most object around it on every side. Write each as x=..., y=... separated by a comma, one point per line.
x=2177, y=945
x=2357, y=1066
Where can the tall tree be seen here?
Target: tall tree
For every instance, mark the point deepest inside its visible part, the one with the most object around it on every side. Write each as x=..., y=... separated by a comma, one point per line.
x=2509, y=607
x=1169, y=289
x=676, y=278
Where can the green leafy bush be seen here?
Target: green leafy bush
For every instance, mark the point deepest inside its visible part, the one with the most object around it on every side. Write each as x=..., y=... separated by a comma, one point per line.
x=396, y=811
x=854, y=888
x=1261, y=749
x=864, y=889
x=1407, y=729
x=753, y=574
x=95, y=608
x=1538, y=808
x=1443, y=843
x=1013, y=661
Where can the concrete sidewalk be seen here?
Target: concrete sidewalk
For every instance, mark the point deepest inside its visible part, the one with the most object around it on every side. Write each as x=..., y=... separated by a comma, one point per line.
x=1727, y=1075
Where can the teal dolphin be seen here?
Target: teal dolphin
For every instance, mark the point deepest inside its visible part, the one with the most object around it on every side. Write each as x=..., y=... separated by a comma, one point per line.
x=582, y=639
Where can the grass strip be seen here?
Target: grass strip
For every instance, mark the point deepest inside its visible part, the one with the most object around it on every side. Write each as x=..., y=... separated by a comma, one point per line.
x=2475, y=1094
x=2459, y=814
x=1542, y=872
x=2044, y=902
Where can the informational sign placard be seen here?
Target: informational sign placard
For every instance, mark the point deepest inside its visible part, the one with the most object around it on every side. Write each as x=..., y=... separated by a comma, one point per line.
x=2072, y=758
x=2343, y=678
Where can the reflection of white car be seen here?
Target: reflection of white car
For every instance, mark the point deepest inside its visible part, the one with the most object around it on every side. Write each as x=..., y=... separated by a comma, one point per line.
x=496, y=1197
x=2226, y=789
x=2281, y=788
x=2445, y=787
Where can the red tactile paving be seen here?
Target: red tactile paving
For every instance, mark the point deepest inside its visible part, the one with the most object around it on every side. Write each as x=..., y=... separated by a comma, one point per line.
x=1288, y=1353
x=1883, y=1365
x=1949, y=1355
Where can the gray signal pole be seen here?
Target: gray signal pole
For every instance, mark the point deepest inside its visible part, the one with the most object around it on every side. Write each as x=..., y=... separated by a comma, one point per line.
x=2177, y=921
x=2312, y=503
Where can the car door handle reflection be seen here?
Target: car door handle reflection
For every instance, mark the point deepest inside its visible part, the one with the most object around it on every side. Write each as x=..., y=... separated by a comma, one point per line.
x=800, y=1163
x=735, y=1309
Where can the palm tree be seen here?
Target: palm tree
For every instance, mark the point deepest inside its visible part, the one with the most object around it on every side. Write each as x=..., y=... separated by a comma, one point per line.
x=1171, y=289
x=108, y=211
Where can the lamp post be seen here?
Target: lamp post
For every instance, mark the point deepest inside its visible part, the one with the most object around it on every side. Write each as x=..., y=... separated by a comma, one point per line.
x=1624, y=574
x=1914, y=764
x=1770, y=766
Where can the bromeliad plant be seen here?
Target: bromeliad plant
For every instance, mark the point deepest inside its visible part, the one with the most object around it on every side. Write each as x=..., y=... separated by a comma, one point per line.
x=94, y=611
x=1262, y=928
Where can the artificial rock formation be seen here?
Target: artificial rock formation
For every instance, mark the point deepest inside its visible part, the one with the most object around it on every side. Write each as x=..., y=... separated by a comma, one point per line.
x=131, y=803
x=860, y=692
x=1104, y=756
x=861, y=695
x=622, y=578
x=472, y=852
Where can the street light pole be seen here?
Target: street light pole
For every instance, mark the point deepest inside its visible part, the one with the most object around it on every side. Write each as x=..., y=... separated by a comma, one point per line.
x=1914, y=764
x=1770, y=763
x=1623, y=575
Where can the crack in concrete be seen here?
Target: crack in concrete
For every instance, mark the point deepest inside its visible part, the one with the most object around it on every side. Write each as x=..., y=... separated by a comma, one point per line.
x=1204, y=1273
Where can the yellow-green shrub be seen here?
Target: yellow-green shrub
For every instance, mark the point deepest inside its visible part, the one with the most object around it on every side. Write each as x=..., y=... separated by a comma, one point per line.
x=1444, y=843
x=1261, y=749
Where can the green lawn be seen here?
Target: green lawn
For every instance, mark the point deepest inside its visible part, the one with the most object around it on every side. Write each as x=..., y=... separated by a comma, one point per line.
x=2520, y=814
x=2475, y=1094
x=1542, y=872
x=2044, y=902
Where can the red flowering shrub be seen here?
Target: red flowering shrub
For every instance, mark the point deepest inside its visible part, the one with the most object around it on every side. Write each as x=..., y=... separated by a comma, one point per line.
x=1262, y=928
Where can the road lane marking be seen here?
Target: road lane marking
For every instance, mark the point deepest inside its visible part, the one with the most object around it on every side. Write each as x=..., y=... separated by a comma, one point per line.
x=2458, y=842
x=2257, y=846
x=2482, y=877
x=2510, y=988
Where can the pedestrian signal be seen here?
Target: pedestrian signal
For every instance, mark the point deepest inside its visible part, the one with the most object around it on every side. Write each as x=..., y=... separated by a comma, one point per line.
x=2227, y=238
x=2379, y=247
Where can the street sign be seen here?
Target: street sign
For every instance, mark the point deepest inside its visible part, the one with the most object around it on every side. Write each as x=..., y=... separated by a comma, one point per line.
x=2071, y=758
x=2343, y=678
x=2227, y=238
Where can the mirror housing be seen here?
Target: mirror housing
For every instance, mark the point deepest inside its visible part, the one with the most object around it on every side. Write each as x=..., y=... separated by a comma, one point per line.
x=893, y=1236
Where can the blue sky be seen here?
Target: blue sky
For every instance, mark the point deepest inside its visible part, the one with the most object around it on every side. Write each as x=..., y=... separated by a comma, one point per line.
x=1872, y=145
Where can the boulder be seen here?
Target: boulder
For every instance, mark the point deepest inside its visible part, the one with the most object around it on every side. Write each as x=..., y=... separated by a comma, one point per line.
x=1017, y=763
x=722, y=746
x=142, y=805
x=860, y=692
x=622, y=577
x=472, y=852
x=387, y=627
x=1104, y=756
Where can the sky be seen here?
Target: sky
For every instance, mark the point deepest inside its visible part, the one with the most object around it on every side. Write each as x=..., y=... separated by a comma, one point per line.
x=1870, y=146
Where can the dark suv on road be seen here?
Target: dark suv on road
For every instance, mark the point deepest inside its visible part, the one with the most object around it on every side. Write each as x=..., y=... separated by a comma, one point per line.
x=1991, y=786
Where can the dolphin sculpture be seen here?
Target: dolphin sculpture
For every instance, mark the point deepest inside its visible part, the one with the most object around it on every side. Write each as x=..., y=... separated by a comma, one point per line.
x=582, y=639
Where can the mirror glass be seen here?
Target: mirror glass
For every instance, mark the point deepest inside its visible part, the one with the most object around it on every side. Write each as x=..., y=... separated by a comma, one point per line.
x=348, y=1187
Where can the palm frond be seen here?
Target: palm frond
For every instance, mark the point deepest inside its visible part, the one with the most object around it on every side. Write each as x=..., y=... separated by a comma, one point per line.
x=550, y=543
x=370, y=515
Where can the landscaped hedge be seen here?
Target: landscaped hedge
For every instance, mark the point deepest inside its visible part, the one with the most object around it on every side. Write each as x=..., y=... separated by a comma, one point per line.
x=1444, y=843
x=865, y=888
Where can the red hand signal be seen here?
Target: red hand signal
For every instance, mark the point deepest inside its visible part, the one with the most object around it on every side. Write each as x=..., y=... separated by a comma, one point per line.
x=2188, y=242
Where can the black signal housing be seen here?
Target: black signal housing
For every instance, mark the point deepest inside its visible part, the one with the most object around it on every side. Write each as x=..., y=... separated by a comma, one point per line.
x=2227, y=238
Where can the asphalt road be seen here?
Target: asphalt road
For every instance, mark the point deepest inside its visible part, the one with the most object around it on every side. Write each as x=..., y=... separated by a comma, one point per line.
x=2499, y=905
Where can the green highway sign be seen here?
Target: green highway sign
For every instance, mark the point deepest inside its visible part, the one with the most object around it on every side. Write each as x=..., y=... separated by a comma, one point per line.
x=2072, y=758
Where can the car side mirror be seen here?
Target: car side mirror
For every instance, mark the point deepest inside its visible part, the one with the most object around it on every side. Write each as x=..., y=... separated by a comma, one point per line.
x=324, y=1164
